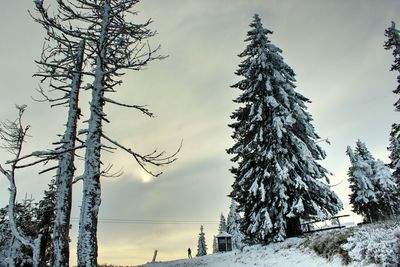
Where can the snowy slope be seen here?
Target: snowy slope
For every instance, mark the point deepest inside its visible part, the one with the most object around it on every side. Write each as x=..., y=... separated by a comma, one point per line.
x=282, y=254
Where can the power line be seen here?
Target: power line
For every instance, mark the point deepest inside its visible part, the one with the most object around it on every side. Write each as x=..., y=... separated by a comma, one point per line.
x=143, y=221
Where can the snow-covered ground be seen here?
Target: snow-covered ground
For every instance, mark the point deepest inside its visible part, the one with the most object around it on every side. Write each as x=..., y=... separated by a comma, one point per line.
x=288, y=253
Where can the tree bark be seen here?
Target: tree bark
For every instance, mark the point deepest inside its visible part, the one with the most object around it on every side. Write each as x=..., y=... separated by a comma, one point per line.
x=293, y=227
x=66, y=169
x=87, y=239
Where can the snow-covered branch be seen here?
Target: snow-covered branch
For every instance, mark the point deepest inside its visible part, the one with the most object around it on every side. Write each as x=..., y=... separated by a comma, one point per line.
x=44, y=156
x=15, y=134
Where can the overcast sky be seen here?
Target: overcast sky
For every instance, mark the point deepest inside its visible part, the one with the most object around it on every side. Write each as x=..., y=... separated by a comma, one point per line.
x=334, y=47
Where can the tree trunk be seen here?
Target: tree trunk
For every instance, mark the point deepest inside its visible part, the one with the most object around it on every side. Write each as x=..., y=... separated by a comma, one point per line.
x=293, y=227
x=66, y=169
x=87, y=239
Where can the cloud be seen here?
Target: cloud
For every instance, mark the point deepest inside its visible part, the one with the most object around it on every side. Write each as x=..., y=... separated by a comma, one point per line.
x=335, y=49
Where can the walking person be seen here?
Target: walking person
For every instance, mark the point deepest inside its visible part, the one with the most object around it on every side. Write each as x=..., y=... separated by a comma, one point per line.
x=189, y=253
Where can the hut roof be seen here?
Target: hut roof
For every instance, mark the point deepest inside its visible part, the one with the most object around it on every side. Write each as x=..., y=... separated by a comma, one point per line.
x=223, y=234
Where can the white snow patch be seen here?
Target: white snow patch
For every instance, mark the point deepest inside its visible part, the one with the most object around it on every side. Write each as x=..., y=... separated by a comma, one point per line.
x=286, y=253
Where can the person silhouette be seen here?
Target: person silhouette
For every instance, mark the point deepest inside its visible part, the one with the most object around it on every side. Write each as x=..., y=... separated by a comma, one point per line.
x=189, y=253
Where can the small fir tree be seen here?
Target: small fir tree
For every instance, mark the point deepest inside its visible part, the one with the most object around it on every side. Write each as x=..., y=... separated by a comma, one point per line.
x=233, y=226
x=215, y=245
x=278, y=180
x=387, y=188
x=363, y=198
x=373, y=189
x=201, y=244
x=222, y=224
x=45, y=217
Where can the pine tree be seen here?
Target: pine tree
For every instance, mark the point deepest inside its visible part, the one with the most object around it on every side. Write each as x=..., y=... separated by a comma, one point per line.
x=372, y=185
x=201, y=244
x=393, y=43
x=233, y=226
x=388, y=190
x=5, y=236
x=46, y=214
x=222, y=224
x=363, y=198
x=215, y=245
x=278, y=180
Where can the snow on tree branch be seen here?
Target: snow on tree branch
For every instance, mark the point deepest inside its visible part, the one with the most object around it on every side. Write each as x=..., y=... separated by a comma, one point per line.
x=13, y=135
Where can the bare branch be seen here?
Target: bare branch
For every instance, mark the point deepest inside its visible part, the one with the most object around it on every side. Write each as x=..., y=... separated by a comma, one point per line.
x=48, y=169
x=154, y=158
x=107, y=172
x=140, y=108
x=15, y=134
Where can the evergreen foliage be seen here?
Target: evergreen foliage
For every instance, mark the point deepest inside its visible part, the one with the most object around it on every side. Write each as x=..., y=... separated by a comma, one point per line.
x=373, y=189
x=33, y=219
x=12, y=251
x=45, y=227
x=222, y=224
x=233, y=226
x=278, y=179
x=201, y=244
x=215, y=245
x=393, y=43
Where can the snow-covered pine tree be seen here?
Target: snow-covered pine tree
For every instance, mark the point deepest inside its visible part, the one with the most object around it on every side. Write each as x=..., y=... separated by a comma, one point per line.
x=222, y=224
x=363, y=197
x=394, y=150
x=388, y=190
x=393, y=43
x=233, y=226
x=46, y=214
x=5, y=236
x=278, y=179
x=373, y=189
x=215, y=245
x=201, y=244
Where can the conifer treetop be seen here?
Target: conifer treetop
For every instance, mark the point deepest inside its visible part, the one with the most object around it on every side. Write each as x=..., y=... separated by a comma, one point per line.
x=393, y=43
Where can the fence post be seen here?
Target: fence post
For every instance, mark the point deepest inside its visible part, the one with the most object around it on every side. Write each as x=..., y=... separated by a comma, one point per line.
x=154, y=256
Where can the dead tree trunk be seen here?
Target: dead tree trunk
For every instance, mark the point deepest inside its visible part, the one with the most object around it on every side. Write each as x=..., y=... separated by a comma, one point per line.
x=91, y=198
x=66, y=169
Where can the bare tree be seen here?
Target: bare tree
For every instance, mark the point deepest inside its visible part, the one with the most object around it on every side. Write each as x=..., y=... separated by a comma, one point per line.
x=61, y=63
x=13, y=134
x=112, y=45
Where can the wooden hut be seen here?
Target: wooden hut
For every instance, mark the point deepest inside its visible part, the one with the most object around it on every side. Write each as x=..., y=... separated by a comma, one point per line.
x=224, y=242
